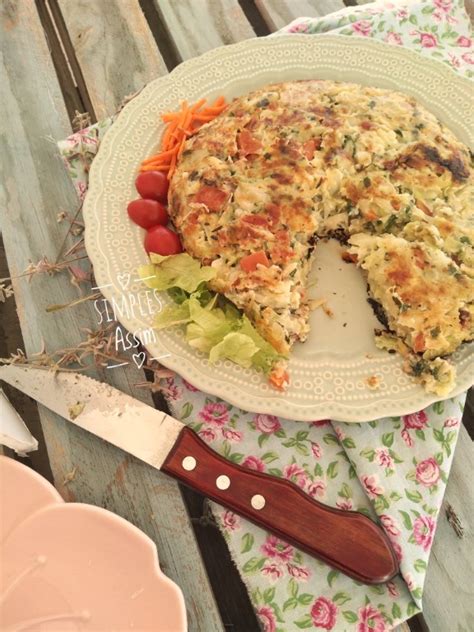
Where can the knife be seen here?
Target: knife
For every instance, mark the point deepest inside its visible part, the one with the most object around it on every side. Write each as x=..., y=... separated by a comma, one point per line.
x=346, y=540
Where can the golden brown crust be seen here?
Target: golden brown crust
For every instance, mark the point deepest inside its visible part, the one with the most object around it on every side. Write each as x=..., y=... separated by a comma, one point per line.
x=306, y=158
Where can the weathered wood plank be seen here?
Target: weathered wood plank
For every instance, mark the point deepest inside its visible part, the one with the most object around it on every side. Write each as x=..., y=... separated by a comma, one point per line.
x=10, y=341
x=448, y=601
x=34, y=188
x=278, y=13
x=114, y=47
x=70, y=90
x=200, y=26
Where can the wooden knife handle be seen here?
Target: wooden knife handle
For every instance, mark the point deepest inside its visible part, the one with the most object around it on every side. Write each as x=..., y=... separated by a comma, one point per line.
x=346, y=540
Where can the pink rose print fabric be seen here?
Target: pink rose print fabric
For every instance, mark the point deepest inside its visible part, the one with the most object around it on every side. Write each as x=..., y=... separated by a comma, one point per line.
x=370, y=620
x=438, y=28
x=79, y=150
x=324, y=613
x=372, y=468
x=394, y=469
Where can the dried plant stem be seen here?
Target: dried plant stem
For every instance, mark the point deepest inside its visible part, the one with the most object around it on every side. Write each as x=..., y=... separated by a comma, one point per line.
x=44, y=266
x=79, y=245
x=81, y=120
x=99, y=344
x=6, y=290
x=454, y=521
x=71, y=222
x=90, y=297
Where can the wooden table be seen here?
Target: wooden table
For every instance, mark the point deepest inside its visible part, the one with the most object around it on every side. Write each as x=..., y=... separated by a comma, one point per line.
x=60, y=57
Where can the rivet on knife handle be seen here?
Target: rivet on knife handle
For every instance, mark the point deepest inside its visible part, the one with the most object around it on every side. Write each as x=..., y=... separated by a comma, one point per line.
x=346, y=540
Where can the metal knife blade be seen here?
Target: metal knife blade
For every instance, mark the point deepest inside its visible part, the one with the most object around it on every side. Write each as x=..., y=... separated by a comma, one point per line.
x=346, y=540
x=129, y=424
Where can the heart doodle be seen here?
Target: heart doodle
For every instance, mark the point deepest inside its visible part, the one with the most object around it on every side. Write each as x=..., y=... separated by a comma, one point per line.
x=139, y=359
x=124, y=280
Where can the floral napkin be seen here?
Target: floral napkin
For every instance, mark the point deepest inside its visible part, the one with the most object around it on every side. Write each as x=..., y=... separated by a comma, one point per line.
x=394, y=469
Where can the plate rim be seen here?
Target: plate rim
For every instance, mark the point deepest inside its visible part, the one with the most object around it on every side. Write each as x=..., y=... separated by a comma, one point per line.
x=263, y=403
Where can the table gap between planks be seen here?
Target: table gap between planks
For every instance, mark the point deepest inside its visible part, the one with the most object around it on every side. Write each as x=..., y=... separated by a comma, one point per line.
x=66, y=56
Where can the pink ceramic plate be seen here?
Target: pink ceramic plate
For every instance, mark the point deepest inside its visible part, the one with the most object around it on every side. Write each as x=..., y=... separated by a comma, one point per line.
x=69, y=567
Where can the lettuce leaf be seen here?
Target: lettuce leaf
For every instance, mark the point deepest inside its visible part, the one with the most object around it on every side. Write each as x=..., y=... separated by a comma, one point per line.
x=175, y=271
x=266, y=355
x=208, y=326
x=173, y=315
x=213, y=325
x=237, y=347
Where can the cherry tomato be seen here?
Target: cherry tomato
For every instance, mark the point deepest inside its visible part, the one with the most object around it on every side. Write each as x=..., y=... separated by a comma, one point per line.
x=163, y=241
x=147, y=213
x=152, y=185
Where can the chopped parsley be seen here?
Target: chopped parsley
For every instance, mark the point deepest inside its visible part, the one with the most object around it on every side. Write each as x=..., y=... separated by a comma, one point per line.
x=455, y=272
x=419, y=367
x=367, y=182
x=465, y=240
x=435, y=332
x=403, y=307
x=352, y=210
x=390, y=222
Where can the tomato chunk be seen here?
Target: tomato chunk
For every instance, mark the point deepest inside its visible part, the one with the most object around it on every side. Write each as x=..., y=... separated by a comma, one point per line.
x=419, y=343
x=250, y=262
x=212, y=197
x=247, y=143
x=309, y=147
x=420, y=260
x=256, y=220
x=279, y=380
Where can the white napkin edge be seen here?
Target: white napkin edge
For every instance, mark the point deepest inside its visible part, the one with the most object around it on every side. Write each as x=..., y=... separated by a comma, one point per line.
x=13, y=431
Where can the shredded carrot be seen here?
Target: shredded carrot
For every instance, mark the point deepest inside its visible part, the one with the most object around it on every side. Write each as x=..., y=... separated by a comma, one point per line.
x=160, y=157
x=180, y=126
x=197, y=105
x=169, y=116
x=155, y=168
x=167, y=135
x=216, y=110
x=203, y=118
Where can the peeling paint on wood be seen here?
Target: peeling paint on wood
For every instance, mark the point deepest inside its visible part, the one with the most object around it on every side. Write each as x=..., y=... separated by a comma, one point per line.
x=37, y=187
x=197, y=27
x=278, y=13
x=114, y=47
